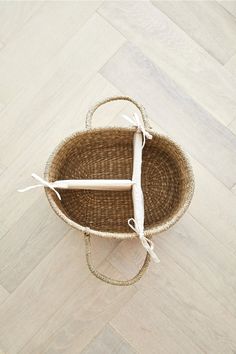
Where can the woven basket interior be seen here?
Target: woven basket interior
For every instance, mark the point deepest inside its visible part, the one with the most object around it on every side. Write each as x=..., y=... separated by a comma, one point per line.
x=108, y=154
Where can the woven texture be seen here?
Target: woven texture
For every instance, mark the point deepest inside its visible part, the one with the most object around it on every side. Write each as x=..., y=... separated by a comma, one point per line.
x=107, y=153
x=167, y=183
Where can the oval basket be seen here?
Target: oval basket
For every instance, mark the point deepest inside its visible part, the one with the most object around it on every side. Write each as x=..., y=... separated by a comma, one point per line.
x=107, y=153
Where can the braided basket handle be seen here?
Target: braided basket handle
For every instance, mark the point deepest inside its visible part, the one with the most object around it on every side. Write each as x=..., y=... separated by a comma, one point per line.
x=105, y=278
x=92, y=110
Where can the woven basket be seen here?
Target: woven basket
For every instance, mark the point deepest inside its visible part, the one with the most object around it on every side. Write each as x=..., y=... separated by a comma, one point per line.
x=167, y=183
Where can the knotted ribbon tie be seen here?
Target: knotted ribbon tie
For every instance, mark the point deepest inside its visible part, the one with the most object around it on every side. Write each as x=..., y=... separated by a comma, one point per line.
x=133, y=224
x=146, y=242
x=137, y=122
x=43, y=183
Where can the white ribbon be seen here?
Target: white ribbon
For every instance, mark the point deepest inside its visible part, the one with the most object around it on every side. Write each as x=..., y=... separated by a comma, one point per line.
x=146, y=242
x=43, y=183
x=137, y=122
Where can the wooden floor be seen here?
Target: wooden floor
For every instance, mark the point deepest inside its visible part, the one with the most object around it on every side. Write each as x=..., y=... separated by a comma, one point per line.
x=179, y=60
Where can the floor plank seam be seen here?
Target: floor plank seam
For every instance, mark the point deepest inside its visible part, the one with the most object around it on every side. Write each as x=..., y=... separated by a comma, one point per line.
x=228, y=248
x=62, y=305
x=191, y=37
x=120, y=334
x=189, y=275
x=173, y=324
x=38, y=264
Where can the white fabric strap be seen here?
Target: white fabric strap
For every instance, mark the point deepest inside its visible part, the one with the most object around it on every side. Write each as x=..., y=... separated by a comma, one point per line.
x=137, y=122
x=91, y=184
x=43, y=183
x=147, y=244
x=137, y=223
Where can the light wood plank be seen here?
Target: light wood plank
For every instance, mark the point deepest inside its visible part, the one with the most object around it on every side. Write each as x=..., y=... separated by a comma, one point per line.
x=234, y=189
x=14, y=15
x=168, y=291
x=231, y=65
x=2, y=168
x=144, y=325
x=232, y=127
x=28, y=242
x=208, y=23
x=22, y=60
x=176, y=112
x=46, y=289
x=70, y=118
x=176, y=53
x=230, y=6
x=108, y=341
x=214, y=206
x=100, y=42
x=204, y=258
x=1, y=104
x=3, y=294
x=82, y=316
x=3, y=231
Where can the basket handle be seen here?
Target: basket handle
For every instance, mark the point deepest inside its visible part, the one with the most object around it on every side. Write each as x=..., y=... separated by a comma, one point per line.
x=107, y=279
x=88, y=122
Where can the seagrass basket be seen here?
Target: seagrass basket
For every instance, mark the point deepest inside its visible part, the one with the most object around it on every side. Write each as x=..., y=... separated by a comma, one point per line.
x=107, y=153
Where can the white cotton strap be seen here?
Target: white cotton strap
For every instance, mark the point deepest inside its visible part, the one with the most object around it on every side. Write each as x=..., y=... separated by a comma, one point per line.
x=137, y=122
x=147, y=244
x=43, y=183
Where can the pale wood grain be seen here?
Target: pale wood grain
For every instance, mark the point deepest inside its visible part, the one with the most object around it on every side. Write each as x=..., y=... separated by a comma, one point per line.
x=14, y=15
x=208, y=23
x=232, y=127
x=204, y=258
x=3, y=294
x=144, y=325
x=214, y=206
x=28, y=242
x=70, y=118
x=99, y=41
x=231, y=65
x=1, y=104
x=194, y=128
x=82, y=316
x=3, y=231
x=169, y=290
x=2, y=168
x=176, y=53
x=108, y=341
x=46, y=289
x=234, y=189
x=23, y=58
x=230, y=6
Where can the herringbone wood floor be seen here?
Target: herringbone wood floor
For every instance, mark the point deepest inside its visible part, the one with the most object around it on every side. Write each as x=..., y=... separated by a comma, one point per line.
x=178, y=59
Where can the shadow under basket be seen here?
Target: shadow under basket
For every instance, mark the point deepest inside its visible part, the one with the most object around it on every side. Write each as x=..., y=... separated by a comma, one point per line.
x=107, y=153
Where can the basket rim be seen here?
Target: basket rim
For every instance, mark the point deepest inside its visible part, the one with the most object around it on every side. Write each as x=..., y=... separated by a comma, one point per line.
x=121, y=235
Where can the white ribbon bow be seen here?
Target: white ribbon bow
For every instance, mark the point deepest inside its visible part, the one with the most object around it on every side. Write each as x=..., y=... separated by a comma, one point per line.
x=137, y=122
x=147, y=244
x=43, y=183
